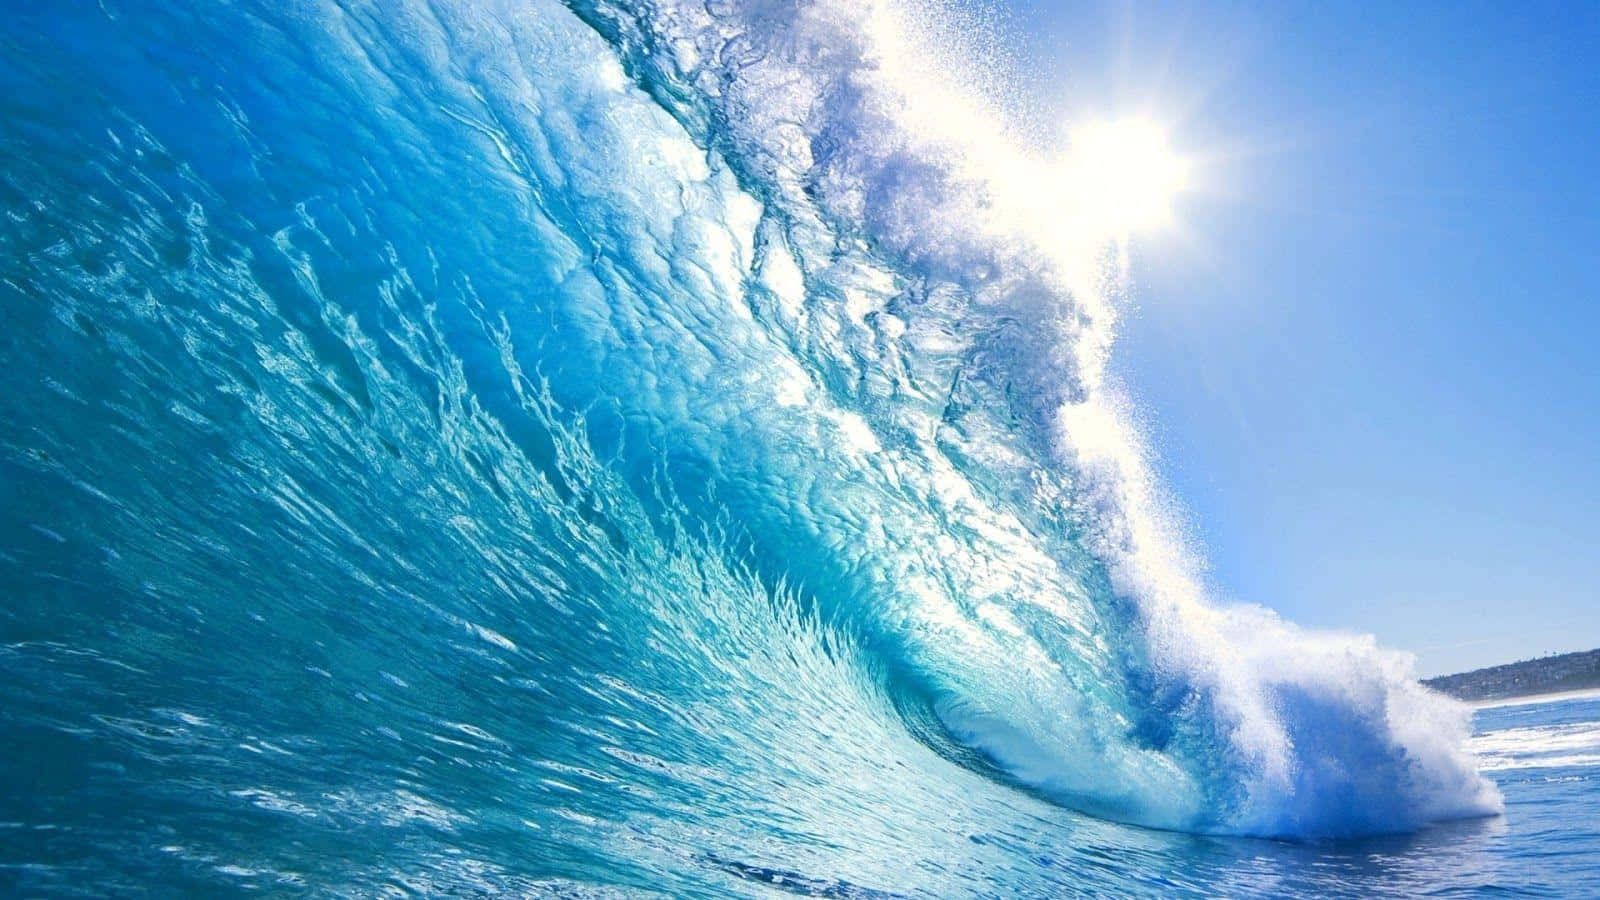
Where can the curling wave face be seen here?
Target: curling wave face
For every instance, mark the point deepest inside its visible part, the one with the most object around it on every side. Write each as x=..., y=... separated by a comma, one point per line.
x=589, y=429
x=1123, y=692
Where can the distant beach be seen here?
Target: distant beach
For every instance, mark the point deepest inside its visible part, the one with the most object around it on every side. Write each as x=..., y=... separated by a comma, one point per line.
x=1553, y=677
x=1585, y=694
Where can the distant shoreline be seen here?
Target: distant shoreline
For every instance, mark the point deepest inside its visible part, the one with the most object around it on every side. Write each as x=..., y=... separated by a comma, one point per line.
x=1518, y=682
x=1531, y=699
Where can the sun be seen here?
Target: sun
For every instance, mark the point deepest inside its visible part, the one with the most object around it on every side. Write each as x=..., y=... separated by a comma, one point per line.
x=1121, y=176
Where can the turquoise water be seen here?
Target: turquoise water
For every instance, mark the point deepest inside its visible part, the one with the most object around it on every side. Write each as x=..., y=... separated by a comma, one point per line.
x=468, y=446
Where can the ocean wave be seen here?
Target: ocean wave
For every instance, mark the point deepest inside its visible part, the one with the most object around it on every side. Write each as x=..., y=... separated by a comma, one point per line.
x=651, y=402
x=846, y=118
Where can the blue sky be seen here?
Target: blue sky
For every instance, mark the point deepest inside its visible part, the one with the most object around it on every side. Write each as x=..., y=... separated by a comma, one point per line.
x=1369, y=357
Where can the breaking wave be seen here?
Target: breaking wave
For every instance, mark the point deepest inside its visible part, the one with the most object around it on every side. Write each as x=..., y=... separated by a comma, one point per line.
x=512, y=417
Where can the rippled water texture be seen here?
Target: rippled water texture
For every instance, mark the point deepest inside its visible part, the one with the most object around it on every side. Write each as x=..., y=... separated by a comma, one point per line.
x=463, y=445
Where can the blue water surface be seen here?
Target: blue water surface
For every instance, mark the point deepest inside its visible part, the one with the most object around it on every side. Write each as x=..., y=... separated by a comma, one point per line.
x=591, y=449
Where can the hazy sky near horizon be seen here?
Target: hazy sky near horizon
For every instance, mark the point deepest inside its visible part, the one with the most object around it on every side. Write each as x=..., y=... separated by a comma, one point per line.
x=1369, y=355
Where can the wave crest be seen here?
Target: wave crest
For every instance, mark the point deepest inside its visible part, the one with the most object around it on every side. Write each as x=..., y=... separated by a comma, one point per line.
x=873, y=139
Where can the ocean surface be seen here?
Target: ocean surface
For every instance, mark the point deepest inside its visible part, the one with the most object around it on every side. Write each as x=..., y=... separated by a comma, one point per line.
x=452, y=446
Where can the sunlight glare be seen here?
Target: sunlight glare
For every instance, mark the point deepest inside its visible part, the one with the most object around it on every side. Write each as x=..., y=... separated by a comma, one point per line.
x=1121, y=176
